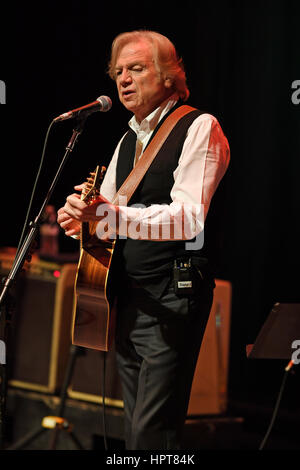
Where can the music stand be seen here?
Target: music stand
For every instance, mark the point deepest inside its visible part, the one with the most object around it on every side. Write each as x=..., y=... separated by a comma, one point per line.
x=275, y=341
x=280, y=330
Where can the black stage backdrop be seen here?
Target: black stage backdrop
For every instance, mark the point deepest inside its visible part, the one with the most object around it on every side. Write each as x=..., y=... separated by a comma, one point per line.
x=242, y=59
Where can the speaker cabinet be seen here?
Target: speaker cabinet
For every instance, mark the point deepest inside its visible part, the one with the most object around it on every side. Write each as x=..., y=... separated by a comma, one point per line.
x=209, y=389
x=87, y=379
x=40, y=334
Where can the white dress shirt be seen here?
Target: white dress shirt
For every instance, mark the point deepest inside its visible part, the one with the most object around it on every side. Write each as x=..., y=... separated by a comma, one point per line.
x=203, y=161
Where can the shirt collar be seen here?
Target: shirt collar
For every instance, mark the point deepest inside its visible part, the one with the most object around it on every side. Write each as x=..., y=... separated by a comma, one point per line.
x=151, y=121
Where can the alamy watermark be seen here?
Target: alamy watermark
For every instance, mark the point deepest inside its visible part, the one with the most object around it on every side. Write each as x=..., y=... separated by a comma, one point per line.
x=2, y=352
x=296, y=354
x=2, y=92
x=177, y=222
x=296, y=94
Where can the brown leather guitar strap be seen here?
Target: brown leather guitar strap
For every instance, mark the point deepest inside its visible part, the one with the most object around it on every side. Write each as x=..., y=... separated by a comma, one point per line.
x=136, y=175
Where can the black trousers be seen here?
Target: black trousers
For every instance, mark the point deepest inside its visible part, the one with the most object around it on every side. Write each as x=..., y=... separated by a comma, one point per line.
x=157, y=346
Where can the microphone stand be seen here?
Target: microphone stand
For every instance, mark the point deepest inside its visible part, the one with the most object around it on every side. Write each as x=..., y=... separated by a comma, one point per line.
x=18, y=264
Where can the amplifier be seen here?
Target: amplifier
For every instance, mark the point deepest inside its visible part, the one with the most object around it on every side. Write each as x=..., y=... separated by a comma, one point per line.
x=87, y=380
x=40, y=332
x=209, y=389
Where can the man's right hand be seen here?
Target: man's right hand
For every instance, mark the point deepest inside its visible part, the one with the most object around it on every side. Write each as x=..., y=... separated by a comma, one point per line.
x=67, y=223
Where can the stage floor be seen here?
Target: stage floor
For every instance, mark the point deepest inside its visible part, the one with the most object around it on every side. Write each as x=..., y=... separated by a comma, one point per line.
x=243, y=428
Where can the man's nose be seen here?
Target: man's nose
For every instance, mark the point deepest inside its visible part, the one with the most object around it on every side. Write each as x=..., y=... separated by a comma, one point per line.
x=125, y=77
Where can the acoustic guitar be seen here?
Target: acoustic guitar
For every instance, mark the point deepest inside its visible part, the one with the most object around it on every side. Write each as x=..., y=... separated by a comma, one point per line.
x=93, y=324
x=93, y=318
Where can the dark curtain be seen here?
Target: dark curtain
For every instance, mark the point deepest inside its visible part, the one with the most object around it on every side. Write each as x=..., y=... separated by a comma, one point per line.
x=241, y=60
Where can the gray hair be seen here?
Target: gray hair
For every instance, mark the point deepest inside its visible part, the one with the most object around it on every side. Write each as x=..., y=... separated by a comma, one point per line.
x=165, y=57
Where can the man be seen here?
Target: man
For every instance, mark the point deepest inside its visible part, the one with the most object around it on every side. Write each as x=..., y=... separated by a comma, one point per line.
x=159, y=327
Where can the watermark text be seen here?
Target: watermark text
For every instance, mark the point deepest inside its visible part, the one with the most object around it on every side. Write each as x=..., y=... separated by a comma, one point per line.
x=176, y=222
x=2, y=92
x=2, y=352
x=296, y=354
x=296, y=94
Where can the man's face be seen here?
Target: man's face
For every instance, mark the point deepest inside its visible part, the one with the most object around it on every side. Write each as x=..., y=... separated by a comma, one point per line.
x=140, y=85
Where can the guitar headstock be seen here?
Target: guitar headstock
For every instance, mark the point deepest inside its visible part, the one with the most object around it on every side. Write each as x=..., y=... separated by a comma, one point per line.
x=92, y=185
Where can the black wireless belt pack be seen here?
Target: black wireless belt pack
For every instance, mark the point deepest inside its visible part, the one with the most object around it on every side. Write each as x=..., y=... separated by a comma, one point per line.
x=183, y=277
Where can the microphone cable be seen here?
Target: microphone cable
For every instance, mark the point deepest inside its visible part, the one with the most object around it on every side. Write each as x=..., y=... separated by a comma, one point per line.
x=287, y=370
x=34, y=186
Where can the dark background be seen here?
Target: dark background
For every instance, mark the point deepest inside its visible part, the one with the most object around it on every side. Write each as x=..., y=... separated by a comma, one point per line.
x=241, y=59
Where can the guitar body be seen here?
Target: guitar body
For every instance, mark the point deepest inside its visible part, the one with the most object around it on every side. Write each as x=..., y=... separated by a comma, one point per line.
x=93, y=314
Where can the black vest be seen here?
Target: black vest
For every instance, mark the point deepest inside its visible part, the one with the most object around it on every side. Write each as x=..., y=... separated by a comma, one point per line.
x=147, y=257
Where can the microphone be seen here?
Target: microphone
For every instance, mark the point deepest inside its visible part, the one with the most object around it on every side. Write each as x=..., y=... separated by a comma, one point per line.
x=103, y=103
